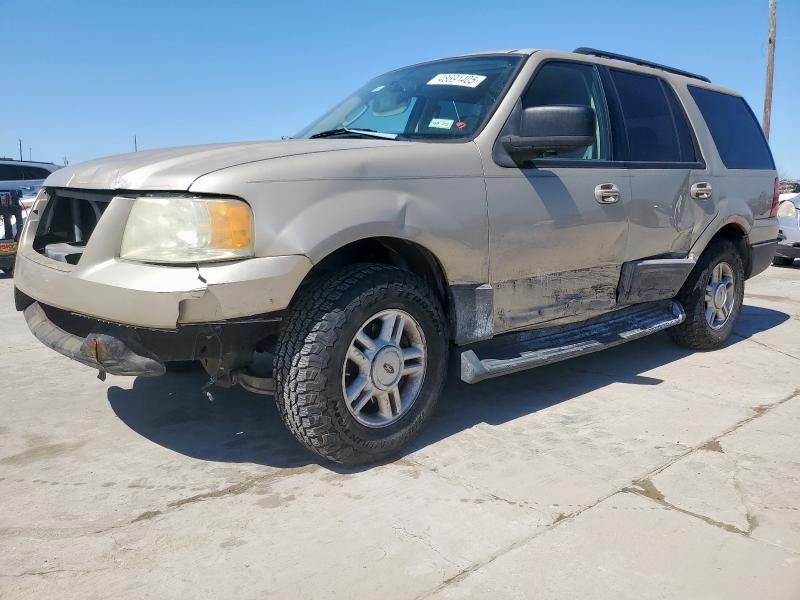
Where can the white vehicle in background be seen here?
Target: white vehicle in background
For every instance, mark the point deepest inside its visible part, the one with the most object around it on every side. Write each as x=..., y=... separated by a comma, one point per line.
x=26, y=176
x=789, y=233
x=20, y=181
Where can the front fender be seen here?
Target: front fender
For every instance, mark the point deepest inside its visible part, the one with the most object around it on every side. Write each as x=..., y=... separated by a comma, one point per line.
x=448, y=217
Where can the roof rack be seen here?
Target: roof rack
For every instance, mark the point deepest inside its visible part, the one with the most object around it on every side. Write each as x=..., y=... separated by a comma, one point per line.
x=639, y=61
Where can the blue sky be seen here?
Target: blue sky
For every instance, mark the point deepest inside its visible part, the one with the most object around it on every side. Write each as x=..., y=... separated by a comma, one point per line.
x=80, y=78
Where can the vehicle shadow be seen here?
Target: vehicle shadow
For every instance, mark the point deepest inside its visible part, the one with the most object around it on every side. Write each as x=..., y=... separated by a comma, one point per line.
x=242, y=427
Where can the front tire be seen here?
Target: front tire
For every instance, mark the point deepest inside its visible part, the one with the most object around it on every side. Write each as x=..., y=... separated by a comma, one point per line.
x=361, y=362
x=712, y=298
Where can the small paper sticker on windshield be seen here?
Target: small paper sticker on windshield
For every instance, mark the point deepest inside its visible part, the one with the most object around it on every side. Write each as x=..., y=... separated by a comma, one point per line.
x=460, y=79
x=441, y=123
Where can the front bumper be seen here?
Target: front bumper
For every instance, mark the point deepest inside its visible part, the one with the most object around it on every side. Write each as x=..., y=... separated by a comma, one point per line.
x=160, y=297
x=7, y=261
x=223, y=347
x=788, y=250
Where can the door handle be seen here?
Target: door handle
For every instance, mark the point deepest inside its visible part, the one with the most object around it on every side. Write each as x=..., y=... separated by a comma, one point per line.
x=606, y=193
x=701, y=190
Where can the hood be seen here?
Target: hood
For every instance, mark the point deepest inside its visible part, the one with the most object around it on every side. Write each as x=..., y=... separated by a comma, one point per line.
x=176, y=168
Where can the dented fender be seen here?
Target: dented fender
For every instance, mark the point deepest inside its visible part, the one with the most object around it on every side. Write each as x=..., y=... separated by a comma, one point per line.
x=430, y=194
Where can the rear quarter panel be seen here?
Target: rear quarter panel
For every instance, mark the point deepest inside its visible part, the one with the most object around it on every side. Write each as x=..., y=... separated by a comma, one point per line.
x=740, y=196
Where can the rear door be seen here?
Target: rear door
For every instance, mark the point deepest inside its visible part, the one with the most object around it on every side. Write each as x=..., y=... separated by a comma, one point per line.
x=656, y=141
x=556, y=242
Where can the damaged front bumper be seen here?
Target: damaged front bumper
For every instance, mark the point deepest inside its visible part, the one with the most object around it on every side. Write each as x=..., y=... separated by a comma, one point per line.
x=224, y=348
x=131, y=318
x=161, y=297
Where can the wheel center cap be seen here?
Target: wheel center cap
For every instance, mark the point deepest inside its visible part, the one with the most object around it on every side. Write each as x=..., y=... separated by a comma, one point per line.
x=387, y=367
x=720, y=296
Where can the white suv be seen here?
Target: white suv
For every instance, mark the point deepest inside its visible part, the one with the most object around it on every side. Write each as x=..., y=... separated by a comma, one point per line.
x=24, y=175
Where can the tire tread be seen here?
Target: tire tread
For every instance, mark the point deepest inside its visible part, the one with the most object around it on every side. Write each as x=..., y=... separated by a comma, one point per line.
x=305, y=348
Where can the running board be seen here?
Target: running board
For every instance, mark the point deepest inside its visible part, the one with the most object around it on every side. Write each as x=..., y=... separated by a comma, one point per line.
x=525, y=350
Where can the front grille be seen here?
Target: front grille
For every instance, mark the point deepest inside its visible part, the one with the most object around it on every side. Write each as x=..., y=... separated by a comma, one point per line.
x=67, y=221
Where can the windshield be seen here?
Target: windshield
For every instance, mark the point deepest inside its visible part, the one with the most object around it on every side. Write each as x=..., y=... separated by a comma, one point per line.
x=446, y=99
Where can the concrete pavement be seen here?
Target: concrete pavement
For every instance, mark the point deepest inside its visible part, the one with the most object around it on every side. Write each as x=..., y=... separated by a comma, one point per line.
x=645, y=471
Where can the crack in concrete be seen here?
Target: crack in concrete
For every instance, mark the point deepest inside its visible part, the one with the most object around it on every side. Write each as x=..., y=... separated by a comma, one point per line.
x=648, y=488
x=231, y=490
x=467, y=484
x=561, y=518
x=425, y=541
x=752, y=519
x=54, y=571
x=758, y=411
x=763, y=345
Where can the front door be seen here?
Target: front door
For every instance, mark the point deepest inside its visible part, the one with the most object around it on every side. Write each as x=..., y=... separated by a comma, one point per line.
x=558, y=226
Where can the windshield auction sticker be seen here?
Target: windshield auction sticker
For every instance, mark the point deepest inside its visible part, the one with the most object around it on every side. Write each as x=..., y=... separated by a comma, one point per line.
x=441, y=123
x=461, y=79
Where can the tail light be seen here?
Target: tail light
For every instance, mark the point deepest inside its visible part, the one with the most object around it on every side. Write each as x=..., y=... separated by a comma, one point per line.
x=776, y=194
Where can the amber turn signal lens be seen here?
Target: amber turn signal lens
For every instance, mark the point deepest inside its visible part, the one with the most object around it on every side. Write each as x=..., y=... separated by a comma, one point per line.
x=231, y=224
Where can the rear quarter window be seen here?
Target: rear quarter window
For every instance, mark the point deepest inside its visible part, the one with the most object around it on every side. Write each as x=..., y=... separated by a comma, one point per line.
x=734, y=128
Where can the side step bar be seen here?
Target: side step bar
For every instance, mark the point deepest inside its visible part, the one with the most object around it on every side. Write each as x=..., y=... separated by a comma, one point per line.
x=525, y=350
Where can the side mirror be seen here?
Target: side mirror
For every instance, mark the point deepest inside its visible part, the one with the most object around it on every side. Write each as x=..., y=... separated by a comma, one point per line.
x=555, y=128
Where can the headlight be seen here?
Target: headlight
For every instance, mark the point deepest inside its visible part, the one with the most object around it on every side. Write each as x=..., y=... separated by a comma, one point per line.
x=786, y=209
x=187, y=230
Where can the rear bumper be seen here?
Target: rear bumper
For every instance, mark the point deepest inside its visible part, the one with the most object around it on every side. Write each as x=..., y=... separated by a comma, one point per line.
x=123, y=350
x=761, y=256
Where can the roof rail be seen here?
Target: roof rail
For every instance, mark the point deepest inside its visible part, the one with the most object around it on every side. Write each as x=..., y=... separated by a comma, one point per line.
x=38, y=162
x=639, y=61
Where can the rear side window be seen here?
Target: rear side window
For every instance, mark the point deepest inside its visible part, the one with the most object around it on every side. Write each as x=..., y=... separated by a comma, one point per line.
x=737, y=135
x=655, y=124
x=35, y=173
x=10, y=172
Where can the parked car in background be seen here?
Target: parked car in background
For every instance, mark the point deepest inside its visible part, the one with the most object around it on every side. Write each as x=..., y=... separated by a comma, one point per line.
x=12, y=217
x=24, y=175
x=788, y=248
x=523, y=206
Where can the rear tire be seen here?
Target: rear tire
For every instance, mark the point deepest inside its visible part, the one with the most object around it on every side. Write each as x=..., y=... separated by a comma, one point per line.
x=711, y=313
x=370, y=325
x=782, y=261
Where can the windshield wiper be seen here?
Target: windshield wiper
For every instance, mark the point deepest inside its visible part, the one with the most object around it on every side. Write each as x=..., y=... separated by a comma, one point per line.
x=364, y=132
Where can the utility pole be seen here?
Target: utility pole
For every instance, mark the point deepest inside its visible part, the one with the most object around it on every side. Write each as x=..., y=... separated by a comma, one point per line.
x=30, y=154
x=20, y=148
x=770, y=67
x=135, y=144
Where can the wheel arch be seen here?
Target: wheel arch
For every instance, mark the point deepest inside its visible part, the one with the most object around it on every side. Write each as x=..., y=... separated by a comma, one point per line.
x=736, y=231
x=406, y=254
